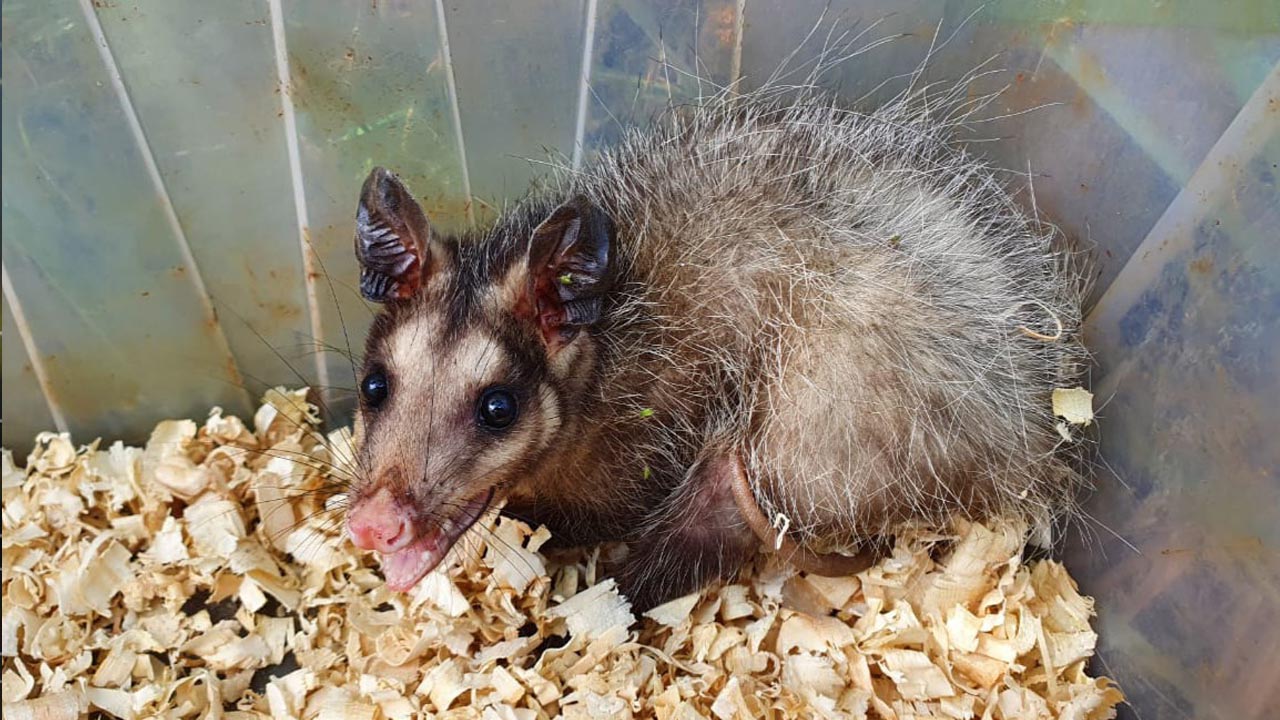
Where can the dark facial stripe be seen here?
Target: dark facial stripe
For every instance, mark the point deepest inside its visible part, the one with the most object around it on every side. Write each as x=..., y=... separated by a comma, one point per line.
x=525, y=350
x=482, y=261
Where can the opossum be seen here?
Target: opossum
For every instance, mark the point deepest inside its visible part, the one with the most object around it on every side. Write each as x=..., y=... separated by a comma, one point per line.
x=765, y=320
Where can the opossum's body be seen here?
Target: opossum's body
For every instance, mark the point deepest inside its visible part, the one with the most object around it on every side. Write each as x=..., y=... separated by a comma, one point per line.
x=842, y=305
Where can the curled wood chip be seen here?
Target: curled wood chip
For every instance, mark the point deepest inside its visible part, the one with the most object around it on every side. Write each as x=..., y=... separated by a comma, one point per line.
x=208, y=576
x=10, y=475
x=287, y=696
x=62, y=705
x=807, y=674
x=443, y=684
x=513, y=565
x=216, y=526
x=1075, y=405
x=813, y=634
x=505, y=686
x=962, y=629
x=168, y=546
x=88, y=583
x=595, y=610
x=17, y=683
x=53, y=454
x=836, y=591
x=339, y=704
x=675, y=612
x=118, y=703
x=916, y=676
x=731, y=704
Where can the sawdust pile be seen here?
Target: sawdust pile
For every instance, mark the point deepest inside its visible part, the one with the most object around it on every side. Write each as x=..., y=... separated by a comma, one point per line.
x=202, y=577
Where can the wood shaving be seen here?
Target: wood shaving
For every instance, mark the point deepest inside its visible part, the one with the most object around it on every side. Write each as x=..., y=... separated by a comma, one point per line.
x=1075, y=405
x=206, y=576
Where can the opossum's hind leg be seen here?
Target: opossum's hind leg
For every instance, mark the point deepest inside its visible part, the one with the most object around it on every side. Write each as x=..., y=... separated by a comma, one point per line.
x=696, y=536
x=827, y=564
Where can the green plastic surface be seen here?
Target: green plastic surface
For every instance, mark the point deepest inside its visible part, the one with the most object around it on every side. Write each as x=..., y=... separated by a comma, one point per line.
x=161, y=265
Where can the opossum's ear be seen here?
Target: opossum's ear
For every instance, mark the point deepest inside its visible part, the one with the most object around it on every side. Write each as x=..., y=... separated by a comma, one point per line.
x=570, y=270
x=393, y=239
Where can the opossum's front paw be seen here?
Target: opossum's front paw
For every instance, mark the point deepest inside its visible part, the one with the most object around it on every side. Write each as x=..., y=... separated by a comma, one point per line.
x=570, y=528
x=645, y=585
x=696, y=537
x=666, y=571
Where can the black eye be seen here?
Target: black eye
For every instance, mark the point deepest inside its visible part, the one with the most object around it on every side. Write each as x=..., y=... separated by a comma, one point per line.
x=497, y=408
x=374, y=388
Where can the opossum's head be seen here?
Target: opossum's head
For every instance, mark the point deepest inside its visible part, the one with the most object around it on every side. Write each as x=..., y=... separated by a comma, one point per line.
x=475, y=369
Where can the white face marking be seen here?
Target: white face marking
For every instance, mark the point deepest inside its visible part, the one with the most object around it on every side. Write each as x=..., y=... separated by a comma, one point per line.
x=427, y=426
x=422, y=365
x=552, y=423
x=413, y=343
x=474, y=359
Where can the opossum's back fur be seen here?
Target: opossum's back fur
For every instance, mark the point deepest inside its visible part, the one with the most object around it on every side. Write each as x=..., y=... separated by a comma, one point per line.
x=844, y=298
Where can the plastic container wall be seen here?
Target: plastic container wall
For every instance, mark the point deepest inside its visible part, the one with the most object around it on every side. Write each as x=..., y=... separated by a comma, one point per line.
x=181, y=179
x=1163, y=152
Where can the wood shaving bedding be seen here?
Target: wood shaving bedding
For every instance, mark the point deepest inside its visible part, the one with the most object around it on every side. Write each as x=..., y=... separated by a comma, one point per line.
x=206, y=576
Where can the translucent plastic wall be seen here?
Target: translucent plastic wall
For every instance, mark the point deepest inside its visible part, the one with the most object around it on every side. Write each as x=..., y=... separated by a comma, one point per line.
x=180, y=180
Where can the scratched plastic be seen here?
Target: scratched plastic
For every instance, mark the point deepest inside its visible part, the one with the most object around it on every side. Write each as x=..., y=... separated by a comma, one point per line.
x=1150, y=131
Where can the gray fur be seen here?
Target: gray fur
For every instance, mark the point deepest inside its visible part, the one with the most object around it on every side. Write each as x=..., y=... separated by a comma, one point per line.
x=866, y=285
x=848, y=301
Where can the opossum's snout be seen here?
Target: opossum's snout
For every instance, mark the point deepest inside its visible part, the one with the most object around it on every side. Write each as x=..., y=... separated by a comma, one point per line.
x=380, y=524
x=410, y=542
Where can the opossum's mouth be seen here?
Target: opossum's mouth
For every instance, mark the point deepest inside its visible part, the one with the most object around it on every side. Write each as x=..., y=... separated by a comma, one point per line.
x=404, y=568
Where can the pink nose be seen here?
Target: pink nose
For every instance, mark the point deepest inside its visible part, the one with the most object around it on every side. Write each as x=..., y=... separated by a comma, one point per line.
x=380, y=523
